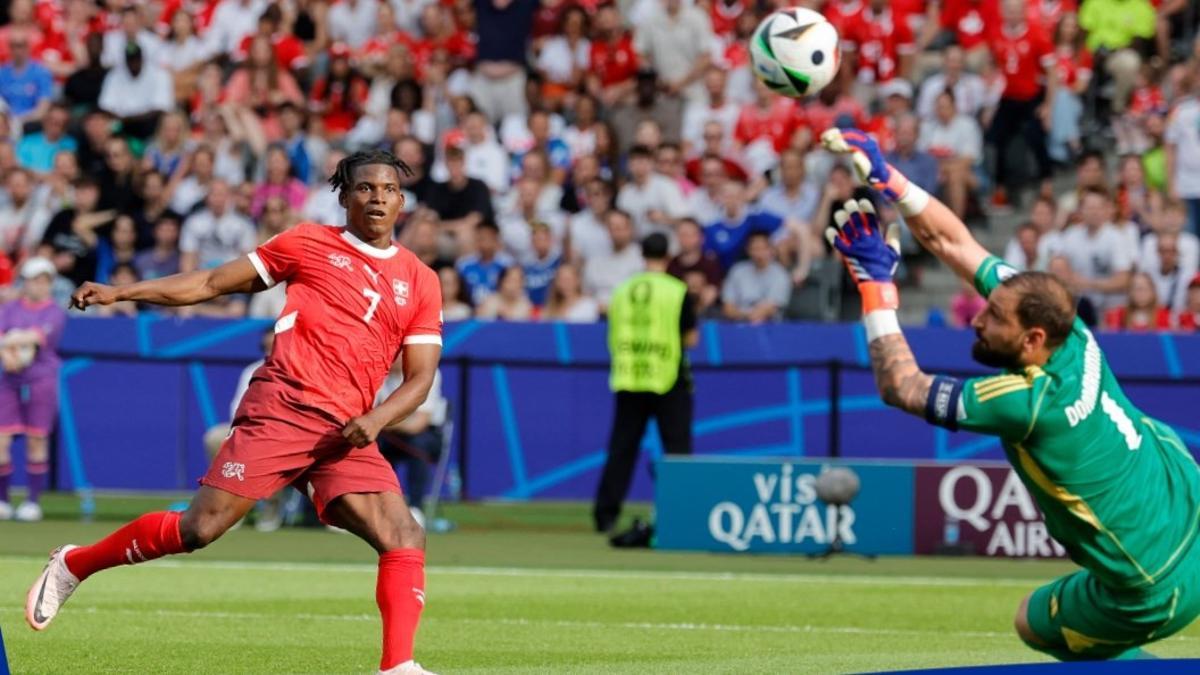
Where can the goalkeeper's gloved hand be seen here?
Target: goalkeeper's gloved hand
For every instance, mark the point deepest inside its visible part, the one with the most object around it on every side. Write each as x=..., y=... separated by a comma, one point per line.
x=869, y=255
x=876, y=173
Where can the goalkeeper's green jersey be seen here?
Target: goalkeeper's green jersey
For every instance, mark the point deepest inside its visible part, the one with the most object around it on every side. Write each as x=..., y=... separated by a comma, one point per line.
x=1118, y=490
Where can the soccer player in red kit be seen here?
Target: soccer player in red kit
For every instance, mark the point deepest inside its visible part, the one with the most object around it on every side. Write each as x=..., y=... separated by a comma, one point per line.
x=355, y=301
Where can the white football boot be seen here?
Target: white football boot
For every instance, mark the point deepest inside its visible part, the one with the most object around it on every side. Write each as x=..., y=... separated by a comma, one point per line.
x=51, y=590
x=29, y=512
x=406, y=668
x=6, y=511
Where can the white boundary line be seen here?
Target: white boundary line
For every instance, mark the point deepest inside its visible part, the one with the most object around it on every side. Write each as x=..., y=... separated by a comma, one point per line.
x=789, y=629
x=540, y=623
x=648, y=575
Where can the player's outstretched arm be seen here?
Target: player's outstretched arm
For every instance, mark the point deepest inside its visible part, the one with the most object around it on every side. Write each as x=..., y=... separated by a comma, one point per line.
x=871, y=257
x=932, y=223
x=189, y=288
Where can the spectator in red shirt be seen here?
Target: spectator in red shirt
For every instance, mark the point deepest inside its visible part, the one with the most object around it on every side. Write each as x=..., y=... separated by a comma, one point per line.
x=21, y=20
x=547, y=19
x=441, y=34
x=1046, y=14
x=1024, y=55
x=882, y=43
x=614, y=63
x=842, y=14
x=1072, y=73
x=289, y=51
x=771, y=118
x=834, y=107
x=1141, y=311
x=341, y=95
x=970, y=24
x=1189, y=318
x=724, y=15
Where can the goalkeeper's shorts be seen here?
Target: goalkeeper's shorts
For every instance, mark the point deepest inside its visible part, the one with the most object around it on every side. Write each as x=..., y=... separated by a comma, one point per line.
x=1079, y=618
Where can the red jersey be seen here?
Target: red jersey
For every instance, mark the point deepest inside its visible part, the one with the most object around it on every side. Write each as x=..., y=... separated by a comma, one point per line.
x=971, y=21
x=1070, y=65
x=350, y=309
x=1115, y=318
x=614, y=64
x=289, y=50
x=880, y=39
x=1022, y=58
x=724, y=15
x=911, y=13
x=842, y=15
x=1186, y=321
x=342, y=105
x=459, y=46
x=883, y=128
x=778, y=123
x=736, y=55
x=1147, y=100
x=845, y=109
x=1045, y=14
x=547, y=19
x=376, y=49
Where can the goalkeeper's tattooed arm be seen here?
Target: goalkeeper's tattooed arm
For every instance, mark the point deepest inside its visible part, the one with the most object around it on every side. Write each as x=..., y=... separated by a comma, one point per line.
x=871, y=253
x=900, y=381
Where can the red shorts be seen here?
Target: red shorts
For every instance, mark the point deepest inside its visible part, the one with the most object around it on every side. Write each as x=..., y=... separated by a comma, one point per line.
x=272, y=445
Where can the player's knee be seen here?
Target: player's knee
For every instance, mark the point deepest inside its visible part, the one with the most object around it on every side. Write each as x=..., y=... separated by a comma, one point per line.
x=199, y=530
x=1022, y=627
x=402, y=531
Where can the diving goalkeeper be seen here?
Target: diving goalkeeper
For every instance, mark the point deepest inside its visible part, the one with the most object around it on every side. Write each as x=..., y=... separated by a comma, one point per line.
x=1118, y=489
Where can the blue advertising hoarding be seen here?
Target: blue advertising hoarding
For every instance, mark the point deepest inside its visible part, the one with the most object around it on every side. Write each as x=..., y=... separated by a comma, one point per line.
x=532, y=406
x=770, y=505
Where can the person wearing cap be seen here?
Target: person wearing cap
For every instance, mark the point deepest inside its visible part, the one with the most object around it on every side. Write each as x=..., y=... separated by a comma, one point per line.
x=138, y=93
x=651, y=321
x=30, y=328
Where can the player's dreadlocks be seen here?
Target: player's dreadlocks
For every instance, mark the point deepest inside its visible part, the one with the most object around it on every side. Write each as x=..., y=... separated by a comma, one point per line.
x=343, y=175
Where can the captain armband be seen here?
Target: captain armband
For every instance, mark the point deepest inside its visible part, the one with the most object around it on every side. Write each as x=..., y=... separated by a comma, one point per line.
x=942, y=406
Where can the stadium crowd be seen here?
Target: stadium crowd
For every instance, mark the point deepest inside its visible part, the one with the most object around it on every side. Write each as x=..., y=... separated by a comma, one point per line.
x=547, y=138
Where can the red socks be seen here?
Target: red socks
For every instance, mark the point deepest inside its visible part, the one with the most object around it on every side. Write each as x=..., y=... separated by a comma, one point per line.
x=399, y=590
x=151, y=536
x=400, y=593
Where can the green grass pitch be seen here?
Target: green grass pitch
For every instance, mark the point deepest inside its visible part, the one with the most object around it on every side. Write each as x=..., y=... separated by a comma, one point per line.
x=516, y=589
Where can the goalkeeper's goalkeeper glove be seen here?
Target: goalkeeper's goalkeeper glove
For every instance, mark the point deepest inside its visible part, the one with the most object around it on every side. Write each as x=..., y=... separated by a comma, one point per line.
x=870, y=257
x=868, y=162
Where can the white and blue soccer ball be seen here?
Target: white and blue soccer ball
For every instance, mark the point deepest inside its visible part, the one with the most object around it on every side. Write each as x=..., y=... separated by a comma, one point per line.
x=795, y=52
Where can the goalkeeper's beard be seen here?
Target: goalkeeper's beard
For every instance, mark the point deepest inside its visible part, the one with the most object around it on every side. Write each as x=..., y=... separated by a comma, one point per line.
x=995, y=356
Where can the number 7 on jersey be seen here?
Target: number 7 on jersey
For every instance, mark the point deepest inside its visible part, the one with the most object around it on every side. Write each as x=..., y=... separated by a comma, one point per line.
x=374, y=297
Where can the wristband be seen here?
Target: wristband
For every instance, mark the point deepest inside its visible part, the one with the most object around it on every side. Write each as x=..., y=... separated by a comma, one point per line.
x=913, y=201
x=941, y=408
x=878, y=295
x=880, y=323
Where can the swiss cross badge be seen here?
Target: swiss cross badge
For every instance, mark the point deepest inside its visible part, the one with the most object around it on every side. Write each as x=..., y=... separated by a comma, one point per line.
x=400, y=291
